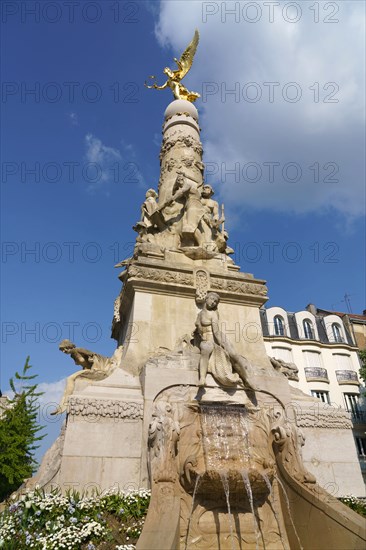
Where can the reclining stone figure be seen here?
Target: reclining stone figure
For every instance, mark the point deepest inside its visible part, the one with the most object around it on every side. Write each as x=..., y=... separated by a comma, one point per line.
x=94, y=366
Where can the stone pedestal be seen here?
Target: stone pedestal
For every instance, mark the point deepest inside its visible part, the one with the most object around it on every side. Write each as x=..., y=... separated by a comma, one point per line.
x=330, y=453
x=158, y=306
x=103, y=437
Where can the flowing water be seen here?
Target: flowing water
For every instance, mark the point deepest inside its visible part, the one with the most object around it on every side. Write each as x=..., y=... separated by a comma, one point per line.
x=289, y=510
x=227, y=448
x=249, y=491
x=192, y=508
x=225, y=437
x=271, y=500
x=225, y=483
x=225, y=443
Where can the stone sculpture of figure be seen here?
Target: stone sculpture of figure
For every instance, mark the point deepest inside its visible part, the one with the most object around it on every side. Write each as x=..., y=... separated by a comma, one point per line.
x=148, y=207
x=193, y=209
x=217, y=354
x=94, y=366
x=150, y=214
x=211, y=222
x=198, y=230
x=211, y=216
x=290, y=370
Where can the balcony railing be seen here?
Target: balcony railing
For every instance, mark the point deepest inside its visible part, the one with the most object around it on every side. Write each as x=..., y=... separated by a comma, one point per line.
x=358, y=416
x=316, y=374
x=347, y=377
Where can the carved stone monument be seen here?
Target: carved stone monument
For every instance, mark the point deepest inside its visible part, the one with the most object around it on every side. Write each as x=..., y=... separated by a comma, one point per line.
x=190, y=404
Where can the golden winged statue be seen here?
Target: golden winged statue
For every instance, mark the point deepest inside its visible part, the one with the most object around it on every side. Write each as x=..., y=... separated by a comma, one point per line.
x=174, y=77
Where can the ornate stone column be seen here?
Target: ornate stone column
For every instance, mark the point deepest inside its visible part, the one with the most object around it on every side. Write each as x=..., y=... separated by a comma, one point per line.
x=181, y=149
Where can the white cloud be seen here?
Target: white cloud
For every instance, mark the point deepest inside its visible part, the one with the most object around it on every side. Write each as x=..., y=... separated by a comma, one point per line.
x=102, y=156
x=310, y=132
x=74, y=119
x=157, y=140
x=108, y=164
x=52, y=392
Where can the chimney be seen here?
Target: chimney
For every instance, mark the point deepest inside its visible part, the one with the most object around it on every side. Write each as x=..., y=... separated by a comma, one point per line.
x=311, y=308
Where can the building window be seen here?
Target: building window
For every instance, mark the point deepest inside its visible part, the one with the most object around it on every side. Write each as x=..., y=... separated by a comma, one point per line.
x=308, y=329
x=343, y=361
x=282, y=353
x=361, y=445
x=313, y=359
x=279, y=326
x=337, y=334
x=322, y=395
x=352, y=406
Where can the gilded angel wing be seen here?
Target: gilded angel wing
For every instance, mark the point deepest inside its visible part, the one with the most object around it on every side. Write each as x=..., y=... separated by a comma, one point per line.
x=186, y=59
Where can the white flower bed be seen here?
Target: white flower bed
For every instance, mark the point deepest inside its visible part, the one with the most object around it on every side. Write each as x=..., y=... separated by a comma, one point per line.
x=53, y=521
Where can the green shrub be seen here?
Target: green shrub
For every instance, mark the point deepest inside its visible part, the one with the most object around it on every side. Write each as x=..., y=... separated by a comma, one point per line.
x=19, y=432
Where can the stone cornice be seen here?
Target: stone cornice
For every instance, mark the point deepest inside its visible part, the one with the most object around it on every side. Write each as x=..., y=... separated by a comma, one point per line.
x=153, y=276
x=305, y=342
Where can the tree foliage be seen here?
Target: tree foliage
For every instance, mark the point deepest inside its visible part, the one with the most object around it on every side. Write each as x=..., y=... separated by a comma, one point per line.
x=19, y=432
x=362, y=354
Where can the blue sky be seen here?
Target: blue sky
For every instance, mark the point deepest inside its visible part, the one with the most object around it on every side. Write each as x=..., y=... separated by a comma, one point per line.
x=284, y=152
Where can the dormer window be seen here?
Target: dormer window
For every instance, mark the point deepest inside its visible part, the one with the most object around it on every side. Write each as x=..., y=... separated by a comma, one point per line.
x=279, y=326
x=337, y=334
x=308, y=329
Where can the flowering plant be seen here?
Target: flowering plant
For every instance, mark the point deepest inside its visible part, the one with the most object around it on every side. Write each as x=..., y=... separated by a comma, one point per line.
x=50, y=521
x=357, y=504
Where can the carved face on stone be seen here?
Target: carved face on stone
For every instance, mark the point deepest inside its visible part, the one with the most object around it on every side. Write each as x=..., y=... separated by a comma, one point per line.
x=170, y=164
x=179, y=181
x=212, y=300
x=66, y=346
x=151, y=193
x=207, y=191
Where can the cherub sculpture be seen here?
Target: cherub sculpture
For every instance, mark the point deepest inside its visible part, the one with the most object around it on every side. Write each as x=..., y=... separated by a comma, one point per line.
x=175, y=77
